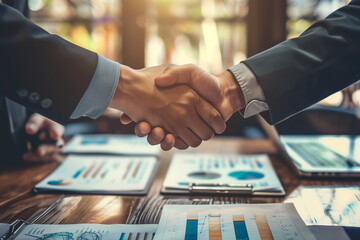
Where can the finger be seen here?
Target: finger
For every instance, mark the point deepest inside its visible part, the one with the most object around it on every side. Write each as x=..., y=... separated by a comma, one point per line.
x=201, y=129
x=34, y=124
x=204, y=83
x=125, y=119
x=189, y=137
x=42, y=154
x=56, y=130
x=210, y=115
x=142, y=129
x=168, y=142
x=174, y=75
x=156, y=135
x=180, y=144
x=43, y=136
x=47, y=149
x=167, y=80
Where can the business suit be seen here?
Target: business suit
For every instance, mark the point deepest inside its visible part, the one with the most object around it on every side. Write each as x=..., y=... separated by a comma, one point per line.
x=300, y=72
x=38, y=70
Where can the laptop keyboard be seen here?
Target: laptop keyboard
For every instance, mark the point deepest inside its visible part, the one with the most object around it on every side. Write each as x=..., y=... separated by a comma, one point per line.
x=318, y=155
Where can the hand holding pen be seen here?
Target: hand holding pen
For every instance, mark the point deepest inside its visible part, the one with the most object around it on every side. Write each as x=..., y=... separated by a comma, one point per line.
x=44, y=141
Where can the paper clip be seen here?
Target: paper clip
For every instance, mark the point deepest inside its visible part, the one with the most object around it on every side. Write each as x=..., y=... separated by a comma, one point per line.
x=220, y=188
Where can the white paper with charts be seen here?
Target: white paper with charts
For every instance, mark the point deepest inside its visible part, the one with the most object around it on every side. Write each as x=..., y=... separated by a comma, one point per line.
x=87, y=231
x=123, y=144
x=101, y=175
x=328, y=205
x=232, y=222
x=231, y=169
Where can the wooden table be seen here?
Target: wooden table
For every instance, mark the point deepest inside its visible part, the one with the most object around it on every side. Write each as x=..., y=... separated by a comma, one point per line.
x=17, y=201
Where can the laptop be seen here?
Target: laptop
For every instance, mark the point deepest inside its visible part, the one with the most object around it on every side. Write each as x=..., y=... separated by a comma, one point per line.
x=315, y=153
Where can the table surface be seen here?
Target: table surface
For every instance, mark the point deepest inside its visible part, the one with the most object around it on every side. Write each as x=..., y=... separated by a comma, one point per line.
x=17, y=201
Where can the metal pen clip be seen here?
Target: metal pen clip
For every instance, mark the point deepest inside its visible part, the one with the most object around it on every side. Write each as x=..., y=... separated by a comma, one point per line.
x=221, y=188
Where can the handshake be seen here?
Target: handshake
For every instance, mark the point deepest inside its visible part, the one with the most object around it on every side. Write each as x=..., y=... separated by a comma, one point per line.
x=176, y=106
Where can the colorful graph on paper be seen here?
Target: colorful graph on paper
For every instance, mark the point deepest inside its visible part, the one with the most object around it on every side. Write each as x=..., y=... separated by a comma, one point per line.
x=238, y=222
x=328, y=205
x=101, y=174
x=188, y=168
x=88, y=232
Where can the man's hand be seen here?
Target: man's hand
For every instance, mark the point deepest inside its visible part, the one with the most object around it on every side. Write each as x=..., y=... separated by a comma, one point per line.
x=222, y=91
x=178, y=111
x=46, y=128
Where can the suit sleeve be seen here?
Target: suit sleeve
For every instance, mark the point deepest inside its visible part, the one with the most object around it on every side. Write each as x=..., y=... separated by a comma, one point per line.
x=41, y=71
x=301, y=71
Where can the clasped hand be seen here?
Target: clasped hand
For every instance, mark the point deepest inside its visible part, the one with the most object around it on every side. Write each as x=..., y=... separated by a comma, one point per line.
x=176, y=106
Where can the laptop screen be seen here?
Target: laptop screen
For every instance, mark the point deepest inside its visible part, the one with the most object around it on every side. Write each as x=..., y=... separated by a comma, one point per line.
x=323, y=136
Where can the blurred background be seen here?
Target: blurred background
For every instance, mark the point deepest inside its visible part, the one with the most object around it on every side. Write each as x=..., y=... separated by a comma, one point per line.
x=214, y=34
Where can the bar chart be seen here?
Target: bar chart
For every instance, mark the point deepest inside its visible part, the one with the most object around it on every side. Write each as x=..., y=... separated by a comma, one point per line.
x=101, y=173
x=87, y=232
x=192, y=221
x=238, y=222
x=240, y=227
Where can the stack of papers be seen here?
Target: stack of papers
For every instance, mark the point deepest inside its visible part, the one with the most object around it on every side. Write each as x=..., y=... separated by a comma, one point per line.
x=122, y=144
x=222, y=169
x=101, y=175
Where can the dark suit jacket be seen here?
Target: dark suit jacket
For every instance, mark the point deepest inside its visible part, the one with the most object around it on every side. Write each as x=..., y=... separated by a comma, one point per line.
x=38, y=70
x=301, y=71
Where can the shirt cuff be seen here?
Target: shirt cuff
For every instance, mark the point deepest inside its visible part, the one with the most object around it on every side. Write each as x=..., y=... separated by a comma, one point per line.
x=254, y=97
x=101, y=90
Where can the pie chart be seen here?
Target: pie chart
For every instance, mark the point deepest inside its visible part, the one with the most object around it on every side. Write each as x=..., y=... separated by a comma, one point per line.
x=246, y=175
x=204, y=175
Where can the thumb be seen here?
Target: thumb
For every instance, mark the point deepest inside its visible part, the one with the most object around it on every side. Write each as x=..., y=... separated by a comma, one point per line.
x=166, y=80
x=125, y=119
x=205, y=84
x=176, y=75
x=34, y=124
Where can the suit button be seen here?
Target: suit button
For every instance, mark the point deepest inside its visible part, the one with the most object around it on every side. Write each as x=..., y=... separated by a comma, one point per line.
x=34, y=97
x=46, y=103
x=22, y=92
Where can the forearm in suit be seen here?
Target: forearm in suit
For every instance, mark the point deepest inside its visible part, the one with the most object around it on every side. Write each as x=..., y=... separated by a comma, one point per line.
x=301, y=71
x=39, y=70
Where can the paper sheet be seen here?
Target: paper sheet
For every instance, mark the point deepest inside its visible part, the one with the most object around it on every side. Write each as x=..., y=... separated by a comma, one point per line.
x=124, y=144
x=329, y=232
x=88, y=232
x=4, y=228
x=331, y=206
x=101, y=174
x=245, y=221
x=220, y=168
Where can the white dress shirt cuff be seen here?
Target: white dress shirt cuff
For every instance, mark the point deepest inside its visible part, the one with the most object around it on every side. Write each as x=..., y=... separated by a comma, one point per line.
x=100, y=91
x=254, y=97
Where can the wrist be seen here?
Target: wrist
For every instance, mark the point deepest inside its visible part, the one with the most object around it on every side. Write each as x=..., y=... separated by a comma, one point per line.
x=232, y=92
x=119, y=99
